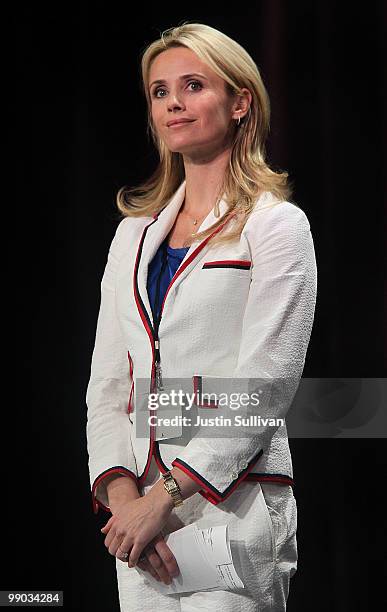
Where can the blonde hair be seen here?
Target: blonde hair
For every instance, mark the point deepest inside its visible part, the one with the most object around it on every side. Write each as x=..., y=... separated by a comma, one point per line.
x=247, y=175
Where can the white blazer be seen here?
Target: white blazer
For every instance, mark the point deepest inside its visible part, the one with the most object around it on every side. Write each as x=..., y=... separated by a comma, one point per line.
x=233, y=314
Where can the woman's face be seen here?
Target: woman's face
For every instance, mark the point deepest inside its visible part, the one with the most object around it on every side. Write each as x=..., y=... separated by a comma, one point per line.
x=202, y=98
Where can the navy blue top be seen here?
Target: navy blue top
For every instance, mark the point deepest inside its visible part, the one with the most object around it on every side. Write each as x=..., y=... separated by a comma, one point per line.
x=166, y=261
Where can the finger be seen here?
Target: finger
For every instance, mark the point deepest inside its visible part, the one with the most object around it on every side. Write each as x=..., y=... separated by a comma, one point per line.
x=158, y=565
x=106, y=527
x=146, y=566
x=110, y=537
x=122, y=555
x=167, y=557
x=135, y=554
x=115, y=546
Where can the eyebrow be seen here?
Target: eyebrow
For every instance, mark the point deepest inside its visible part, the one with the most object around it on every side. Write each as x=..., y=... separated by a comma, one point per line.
x=183, y=76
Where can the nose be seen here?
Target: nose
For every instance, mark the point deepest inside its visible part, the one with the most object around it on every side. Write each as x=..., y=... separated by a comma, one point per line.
x=174, y=102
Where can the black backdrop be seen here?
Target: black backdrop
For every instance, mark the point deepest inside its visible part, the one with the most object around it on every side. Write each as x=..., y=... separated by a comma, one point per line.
x=77, y=132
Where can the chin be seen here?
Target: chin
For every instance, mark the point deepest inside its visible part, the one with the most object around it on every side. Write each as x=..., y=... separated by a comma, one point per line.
x=180, y=149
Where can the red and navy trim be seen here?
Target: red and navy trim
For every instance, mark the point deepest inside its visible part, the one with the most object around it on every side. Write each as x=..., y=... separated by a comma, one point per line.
x=151, y=335
x=118, y=469
x=140, y=304
x=209, y=492
x=240, y=264
x=198, y=390
x=130, y=402
x=251, y=477
x=156, y=453
x=278, y=478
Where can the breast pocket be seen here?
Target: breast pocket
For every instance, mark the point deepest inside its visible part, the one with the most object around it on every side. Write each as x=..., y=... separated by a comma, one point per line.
x=224, y=285
x=236, y=264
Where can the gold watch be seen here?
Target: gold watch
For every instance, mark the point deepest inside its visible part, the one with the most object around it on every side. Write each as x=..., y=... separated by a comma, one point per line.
x=171, y=487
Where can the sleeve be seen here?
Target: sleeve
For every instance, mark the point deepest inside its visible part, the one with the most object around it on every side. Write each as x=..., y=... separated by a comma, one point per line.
x=108, y=427
x=276, y=329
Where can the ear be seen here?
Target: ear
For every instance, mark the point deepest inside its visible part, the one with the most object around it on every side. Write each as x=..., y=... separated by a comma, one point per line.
x=242, y=105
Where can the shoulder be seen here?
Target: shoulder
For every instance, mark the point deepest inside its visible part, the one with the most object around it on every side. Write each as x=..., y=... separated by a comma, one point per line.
x=128, y=230
x=277, y=224
x=269, y=210
x=270, y=214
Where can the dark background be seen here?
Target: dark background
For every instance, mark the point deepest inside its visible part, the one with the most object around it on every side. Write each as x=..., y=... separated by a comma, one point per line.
x=76, y=123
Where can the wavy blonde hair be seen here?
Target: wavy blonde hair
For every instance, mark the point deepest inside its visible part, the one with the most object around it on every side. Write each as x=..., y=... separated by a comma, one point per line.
x=247, y=175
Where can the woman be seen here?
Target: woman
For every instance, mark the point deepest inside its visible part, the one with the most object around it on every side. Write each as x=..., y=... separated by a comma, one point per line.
x=210, y=278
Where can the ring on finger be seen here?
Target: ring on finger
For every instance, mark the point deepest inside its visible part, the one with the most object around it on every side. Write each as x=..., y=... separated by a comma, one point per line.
x=123, y=555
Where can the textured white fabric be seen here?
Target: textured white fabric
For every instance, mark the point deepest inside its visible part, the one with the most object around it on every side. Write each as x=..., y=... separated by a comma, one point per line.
x=262, y=523
x=218, y=323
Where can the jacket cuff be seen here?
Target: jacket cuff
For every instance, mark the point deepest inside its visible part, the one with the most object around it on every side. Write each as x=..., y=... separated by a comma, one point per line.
x=99, y=492
x=226, y=484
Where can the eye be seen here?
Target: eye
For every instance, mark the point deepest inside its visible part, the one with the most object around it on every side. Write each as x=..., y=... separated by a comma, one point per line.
x=195, y=83
x=155, y=91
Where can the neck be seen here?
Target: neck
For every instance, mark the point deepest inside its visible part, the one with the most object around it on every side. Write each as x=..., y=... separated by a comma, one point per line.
x=204, y=179
x=192, y=212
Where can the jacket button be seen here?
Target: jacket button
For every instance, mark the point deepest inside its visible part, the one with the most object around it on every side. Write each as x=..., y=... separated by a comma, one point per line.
x=234, y=475
x=243, y=465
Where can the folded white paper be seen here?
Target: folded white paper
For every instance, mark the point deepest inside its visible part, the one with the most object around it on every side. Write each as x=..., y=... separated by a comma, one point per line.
x=204, y=559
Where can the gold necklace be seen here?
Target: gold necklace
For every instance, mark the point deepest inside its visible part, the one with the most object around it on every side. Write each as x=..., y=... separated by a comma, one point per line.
x=195, y=220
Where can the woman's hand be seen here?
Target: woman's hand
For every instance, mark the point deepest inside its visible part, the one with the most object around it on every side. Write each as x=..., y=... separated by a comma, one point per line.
x=160, y=562
x=134, y=525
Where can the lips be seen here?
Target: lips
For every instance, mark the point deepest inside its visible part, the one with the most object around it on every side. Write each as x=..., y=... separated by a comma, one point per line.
x=179, y=121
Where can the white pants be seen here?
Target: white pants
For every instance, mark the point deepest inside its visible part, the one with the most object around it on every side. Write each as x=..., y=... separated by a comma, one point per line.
x=262, y=524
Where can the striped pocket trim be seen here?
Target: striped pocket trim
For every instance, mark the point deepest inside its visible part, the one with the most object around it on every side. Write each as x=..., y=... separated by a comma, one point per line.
x=241, y=264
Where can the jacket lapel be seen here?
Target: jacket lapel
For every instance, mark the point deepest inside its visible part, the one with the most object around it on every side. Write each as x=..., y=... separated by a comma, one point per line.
x=154, y=234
